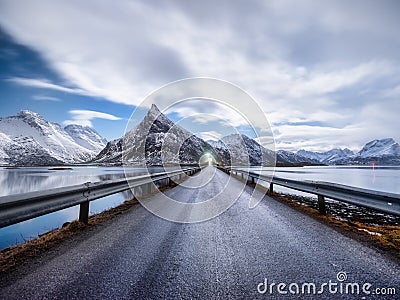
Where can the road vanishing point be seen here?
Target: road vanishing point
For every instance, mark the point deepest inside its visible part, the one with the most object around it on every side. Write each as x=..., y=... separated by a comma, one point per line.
x=141, y=256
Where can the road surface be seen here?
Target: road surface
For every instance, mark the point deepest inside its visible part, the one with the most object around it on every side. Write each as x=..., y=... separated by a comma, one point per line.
x=141, y=256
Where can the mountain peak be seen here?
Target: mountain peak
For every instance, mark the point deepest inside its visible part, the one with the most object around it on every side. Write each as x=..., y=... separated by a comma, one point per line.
x=386, y=146
x=28, y=113
x=381, y=141
x=154, y=110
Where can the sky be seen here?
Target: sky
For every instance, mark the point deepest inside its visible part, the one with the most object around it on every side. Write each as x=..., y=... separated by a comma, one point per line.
x=325, y=73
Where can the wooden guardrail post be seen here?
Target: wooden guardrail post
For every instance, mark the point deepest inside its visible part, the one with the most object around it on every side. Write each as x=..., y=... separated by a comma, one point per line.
x=321, y=205
x=271, y=187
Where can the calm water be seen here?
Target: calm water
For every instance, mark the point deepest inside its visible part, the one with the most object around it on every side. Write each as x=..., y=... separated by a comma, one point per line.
x=22, y=180
x=386, y=179
x=15, y=181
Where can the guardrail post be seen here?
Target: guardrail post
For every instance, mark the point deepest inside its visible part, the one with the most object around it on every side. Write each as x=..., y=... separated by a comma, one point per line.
x=271, y=187
x=321, y=205
x=252, y=179
x=84, y=212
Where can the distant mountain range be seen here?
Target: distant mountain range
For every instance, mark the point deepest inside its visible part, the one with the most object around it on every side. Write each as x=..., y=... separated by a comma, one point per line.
x=380, y=152
x=28, y=139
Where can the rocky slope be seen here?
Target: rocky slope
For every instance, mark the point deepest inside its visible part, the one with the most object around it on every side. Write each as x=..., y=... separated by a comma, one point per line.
x=156, y=140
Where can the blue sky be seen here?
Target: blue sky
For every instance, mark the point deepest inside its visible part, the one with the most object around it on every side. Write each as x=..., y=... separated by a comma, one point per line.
x=326, y=74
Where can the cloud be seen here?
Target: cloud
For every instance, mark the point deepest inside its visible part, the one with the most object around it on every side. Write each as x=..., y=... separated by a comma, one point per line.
x=209, y=135
x=203, y=111
x=84, y=117
x=45, y=84
x=45, y=98
x=326, y=63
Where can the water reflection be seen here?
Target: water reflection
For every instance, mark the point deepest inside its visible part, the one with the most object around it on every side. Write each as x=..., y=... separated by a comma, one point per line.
x=379, y=178
x=22, y=180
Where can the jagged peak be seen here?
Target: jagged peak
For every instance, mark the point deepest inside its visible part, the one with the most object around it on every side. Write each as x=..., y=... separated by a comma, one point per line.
x=378, y=143
x=29, y=113
x=154, y=111
x=77, y=126
x=382, y=141
x=154, y=108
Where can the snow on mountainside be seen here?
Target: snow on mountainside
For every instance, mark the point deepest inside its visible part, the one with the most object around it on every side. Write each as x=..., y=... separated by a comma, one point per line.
x=242, y=150
x=86, y=137
x=28, y=139
x=382, y=152
x=234, y=148
x=217, y=144
x=287, y=157
x=144, y=143
x=328, y=157
x=380, y=148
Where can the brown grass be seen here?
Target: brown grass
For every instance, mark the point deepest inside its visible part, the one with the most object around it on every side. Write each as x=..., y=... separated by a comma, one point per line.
x=384, y=237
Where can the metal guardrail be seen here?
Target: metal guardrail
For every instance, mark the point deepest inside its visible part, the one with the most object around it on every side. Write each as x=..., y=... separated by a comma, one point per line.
x=26, y=206
x=380, y=201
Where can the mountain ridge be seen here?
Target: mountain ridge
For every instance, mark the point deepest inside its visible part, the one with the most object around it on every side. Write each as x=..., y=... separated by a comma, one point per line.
x=384, y=151
x=28, y=139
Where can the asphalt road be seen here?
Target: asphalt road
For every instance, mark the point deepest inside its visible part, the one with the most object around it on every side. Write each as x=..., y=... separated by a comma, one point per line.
x=141, y=256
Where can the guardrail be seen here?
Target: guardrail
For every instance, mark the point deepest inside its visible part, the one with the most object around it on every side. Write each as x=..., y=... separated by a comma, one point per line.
x=380, y=201
x=22, y=207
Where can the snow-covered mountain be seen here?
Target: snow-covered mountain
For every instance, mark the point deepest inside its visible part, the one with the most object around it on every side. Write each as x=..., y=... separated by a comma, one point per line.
x=239, y=149
x=156, y=140
x=86, y=137
x=287, y=158
x=329, y=157
x=380, y=148
x=382, y=152
x=217, y=144
x=28, y=139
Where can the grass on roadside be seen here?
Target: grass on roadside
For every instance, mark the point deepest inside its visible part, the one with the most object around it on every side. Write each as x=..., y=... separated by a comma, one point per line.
x=385, y=237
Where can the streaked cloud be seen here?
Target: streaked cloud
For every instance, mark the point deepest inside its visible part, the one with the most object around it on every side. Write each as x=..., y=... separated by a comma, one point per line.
x=45, y=98
x=330, y=63
x=209, y=135
x=85, y=117
x=45, y=84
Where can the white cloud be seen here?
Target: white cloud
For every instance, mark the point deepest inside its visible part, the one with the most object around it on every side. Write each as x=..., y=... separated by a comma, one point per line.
x=46, y=98
x=303, y=63
x=84, y=117
x=45, y=84
x=209, y=135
